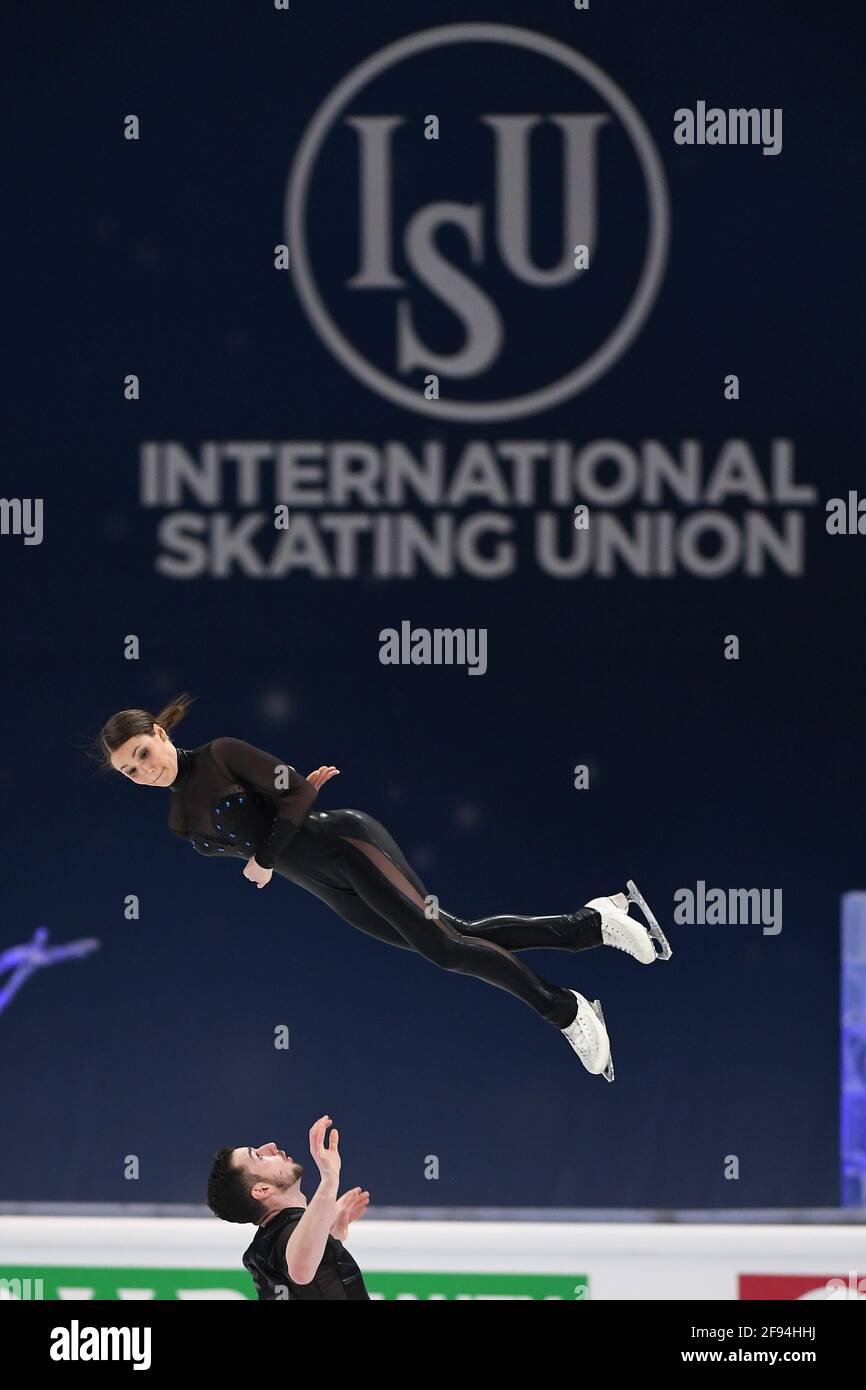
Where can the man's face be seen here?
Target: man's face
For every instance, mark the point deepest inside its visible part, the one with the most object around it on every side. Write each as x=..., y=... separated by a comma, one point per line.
x=274, y=1168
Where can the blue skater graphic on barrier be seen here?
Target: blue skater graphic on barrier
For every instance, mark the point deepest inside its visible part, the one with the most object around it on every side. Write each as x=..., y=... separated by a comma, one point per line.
x=23, y=961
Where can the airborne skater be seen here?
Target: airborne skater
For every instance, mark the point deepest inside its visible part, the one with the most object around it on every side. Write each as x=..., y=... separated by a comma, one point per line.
x=232, y=800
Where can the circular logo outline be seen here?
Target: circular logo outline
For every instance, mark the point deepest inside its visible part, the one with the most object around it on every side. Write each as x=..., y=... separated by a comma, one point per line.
x=616, y=343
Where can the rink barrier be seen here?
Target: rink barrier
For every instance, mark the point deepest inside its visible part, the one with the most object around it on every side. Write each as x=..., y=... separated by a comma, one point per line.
x=171, y=1257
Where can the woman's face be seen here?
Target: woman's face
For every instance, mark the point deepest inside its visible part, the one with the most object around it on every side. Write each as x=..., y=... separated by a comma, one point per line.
x=149, y=759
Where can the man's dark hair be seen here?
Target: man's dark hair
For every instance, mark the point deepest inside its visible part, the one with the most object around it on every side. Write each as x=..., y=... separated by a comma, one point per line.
x=228, y=1190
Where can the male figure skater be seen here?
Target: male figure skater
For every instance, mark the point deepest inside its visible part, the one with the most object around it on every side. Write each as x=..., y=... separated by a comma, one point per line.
x=298, y=1250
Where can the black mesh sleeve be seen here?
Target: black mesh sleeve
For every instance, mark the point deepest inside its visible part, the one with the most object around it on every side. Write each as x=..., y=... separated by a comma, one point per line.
x=265, y=773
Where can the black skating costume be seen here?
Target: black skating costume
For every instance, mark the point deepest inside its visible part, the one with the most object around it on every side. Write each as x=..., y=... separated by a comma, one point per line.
x=229, y=800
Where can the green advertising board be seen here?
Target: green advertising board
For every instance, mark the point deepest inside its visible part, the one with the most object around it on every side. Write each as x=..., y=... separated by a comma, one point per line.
x=95, y=1282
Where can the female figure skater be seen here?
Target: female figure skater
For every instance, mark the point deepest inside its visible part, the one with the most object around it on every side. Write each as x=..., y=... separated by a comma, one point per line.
x=232, y=800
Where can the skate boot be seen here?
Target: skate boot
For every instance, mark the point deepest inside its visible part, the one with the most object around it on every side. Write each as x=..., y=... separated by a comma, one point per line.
x=587, y=1034
x=624, y=932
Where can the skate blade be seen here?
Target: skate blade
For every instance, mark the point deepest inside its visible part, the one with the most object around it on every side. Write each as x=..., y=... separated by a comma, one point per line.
x=608, y=1071
x=663, y=949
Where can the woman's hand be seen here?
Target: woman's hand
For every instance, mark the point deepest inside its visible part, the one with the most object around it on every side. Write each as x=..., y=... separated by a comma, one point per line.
x=256, y=874
x=322, y=775
x=253, y=871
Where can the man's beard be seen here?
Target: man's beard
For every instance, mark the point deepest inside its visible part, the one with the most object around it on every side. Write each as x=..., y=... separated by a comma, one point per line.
x=296, y=1174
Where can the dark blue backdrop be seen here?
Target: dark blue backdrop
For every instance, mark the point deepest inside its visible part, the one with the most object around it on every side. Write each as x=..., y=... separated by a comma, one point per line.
x=155, y=258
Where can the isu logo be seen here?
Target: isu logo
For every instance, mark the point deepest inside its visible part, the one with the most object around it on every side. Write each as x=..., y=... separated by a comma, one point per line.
x=481, y=208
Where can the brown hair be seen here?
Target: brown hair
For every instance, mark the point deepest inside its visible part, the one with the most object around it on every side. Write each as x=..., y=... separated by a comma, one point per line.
x=129, y=722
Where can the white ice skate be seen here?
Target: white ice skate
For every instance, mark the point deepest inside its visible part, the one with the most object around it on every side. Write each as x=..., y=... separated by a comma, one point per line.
x=624, y=932
x=588, y=1036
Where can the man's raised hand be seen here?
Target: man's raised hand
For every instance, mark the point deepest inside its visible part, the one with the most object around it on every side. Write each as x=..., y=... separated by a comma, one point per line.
x=326, y=1154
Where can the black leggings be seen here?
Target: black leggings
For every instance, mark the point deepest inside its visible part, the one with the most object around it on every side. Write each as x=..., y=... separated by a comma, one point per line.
x=385, y=898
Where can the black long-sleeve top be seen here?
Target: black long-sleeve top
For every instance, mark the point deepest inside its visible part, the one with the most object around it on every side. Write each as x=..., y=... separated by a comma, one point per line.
x=233, y=799
x=338, y=1276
